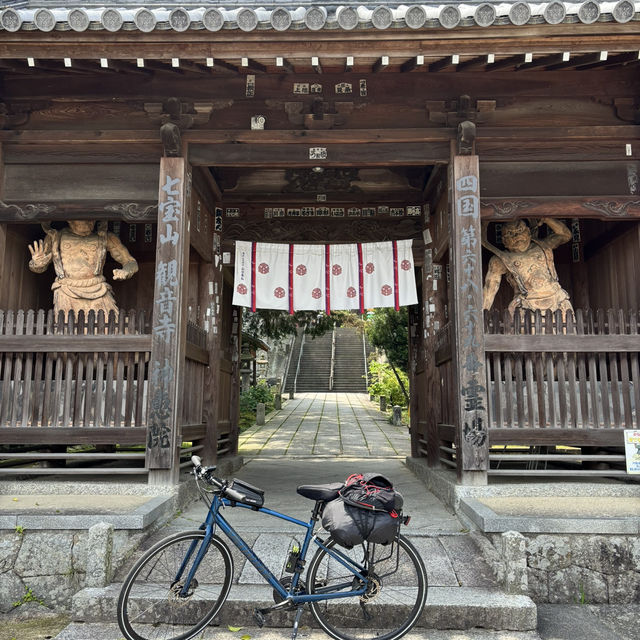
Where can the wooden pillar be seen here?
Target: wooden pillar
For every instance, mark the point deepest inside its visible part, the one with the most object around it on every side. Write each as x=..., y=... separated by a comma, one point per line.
x=234, y=396
x=211, y=277
x=166, y=366
x=470, y=400
x=3, y=236
x=416, y=375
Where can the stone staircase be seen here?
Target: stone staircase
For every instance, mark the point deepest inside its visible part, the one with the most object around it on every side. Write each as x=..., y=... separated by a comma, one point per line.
x=462, y=592
x=315, y=365
x=349, y=366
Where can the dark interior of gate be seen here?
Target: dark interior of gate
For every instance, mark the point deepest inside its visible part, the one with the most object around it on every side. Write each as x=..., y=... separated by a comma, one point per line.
x=327, y=154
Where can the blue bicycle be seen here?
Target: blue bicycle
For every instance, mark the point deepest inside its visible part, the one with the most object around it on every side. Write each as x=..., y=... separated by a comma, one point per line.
x=179, y=585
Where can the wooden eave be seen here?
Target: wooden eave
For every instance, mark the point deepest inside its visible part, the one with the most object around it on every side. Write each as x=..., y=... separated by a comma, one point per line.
x=443, y=51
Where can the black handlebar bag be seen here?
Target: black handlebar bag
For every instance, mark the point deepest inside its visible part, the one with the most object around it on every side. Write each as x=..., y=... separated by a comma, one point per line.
x=368, y=508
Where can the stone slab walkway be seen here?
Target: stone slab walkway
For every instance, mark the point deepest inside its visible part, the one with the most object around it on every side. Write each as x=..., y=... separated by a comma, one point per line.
x=330, y=425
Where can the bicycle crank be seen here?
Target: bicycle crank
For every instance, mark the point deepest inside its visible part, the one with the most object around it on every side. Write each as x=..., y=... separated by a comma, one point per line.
x=301, y=588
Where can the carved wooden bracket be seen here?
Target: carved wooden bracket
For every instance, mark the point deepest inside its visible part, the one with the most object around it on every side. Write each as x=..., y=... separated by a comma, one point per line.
x=17, y=114
x=452, y=112
x=175, y=116
x=466, y=138
x=627, y=109
x=596, y=207
x=23, y=211
x=134, y=211
x=319, y=114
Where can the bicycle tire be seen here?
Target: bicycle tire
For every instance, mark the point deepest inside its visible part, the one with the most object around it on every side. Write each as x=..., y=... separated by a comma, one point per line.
x=148, y=608
x=389, y=610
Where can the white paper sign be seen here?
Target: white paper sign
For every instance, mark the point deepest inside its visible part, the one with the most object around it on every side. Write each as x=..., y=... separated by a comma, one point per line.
x=632, y=450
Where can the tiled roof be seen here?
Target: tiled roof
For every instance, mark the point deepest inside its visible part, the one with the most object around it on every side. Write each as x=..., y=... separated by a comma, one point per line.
x=313, y=17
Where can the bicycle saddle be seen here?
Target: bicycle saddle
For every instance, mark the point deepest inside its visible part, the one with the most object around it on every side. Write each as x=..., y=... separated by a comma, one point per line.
x=324, y=492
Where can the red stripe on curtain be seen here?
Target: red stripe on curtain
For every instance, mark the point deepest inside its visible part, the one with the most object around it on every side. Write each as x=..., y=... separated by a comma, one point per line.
x=396, y=293
x=253, y=276
x=327, y=279
x=291, y=279
x=360, y=277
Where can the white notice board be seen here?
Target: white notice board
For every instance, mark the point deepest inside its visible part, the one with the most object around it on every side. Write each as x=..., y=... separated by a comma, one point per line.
x=632, y=450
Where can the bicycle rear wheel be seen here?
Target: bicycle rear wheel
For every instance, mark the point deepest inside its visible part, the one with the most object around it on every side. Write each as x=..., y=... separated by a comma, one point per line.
x=390, y=607
x=151, y=606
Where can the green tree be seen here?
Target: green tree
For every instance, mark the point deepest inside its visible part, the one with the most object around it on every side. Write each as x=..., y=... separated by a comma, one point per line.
x=275, y=325
x=388, y=331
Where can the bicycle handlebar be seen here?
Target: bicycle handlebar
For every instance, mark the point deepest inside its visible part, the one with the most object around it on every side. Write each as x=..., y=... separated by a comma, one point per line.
x=206, y=474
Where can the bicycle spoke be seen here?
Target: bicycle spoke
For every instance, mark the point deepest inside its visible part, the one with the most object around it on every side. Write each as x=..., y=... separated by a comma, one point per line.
x=395, y=594
x=152, y=604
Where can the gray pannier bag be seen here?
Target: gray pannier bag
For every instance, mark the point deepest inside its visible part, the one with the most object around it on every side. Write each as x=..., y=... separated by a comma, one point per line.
x=368, y=508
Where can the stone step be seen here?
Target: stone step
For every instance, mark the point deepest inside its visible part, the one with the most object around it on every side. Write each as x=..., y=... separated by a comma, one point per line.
x=446, y=608
x=110, y=631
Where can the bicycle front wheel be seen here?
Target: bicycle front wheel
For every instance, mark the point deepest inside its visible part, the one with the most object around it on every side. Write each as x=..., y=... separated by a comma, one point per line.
x=395, y=596
x=151, y=604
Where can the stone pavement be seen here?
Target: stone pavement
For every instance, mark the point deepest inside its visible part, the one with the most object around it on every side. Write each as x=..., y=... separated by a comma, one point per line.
x=330, y=425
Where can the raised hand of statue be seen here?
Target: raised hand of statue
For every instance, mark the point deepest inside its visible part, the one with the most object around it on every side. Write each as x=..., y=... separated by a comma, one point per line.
x=39, y=256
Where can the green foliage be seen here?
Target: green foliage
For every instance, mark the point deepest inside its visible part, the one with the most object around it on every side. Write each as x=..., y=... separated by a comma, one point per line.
x=275, y=325
x=19, y=529
x=249, y=401
x=260, y=393
x=384, y=383
x=388, y=331
x=27, y=597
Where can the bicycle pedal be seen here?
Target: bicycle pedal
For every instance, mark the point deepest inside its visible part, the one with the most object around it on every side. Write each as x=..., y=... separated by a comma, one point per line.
x=258, y=616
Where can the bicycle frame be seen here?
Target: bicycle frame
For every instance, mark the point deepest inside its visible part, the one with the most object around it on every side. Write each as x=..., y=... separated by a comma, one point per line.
x=215, y=520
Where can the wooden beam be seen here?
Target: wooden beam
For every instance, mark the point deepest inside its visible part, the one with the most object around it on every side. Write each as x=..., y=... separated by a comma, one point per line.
x=444, y=63
x=473, y=63
x=566, y=437
x=544, y=61
x=614, y=61
x=248, y=63
x=211, y=183
x=252, y=155
x=588, y=59
x=193, y=67
x=508, y=135
x=506, y=63
x=79, y=344
x=434, y=178
x=91, y=66
x=284, y=64
x=595, y=207
x=163, y=67
x=222, y=65
x=381, y=64
x=412, y=63
x=562, y=343
x=18, y=212
x=126, y=67
x=57, y=67
x=73, y=435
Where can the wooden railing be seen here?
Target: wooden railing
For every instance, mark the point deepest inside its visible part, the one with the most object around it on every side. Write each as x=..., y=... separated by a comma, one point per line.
x=83, y=372
x=578, y=372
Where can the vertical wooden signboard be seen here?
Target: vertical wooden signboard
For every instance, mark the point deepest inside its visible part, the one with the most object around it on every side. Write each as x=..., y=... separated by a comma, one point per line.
x=470, y=378
x=169, y=323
